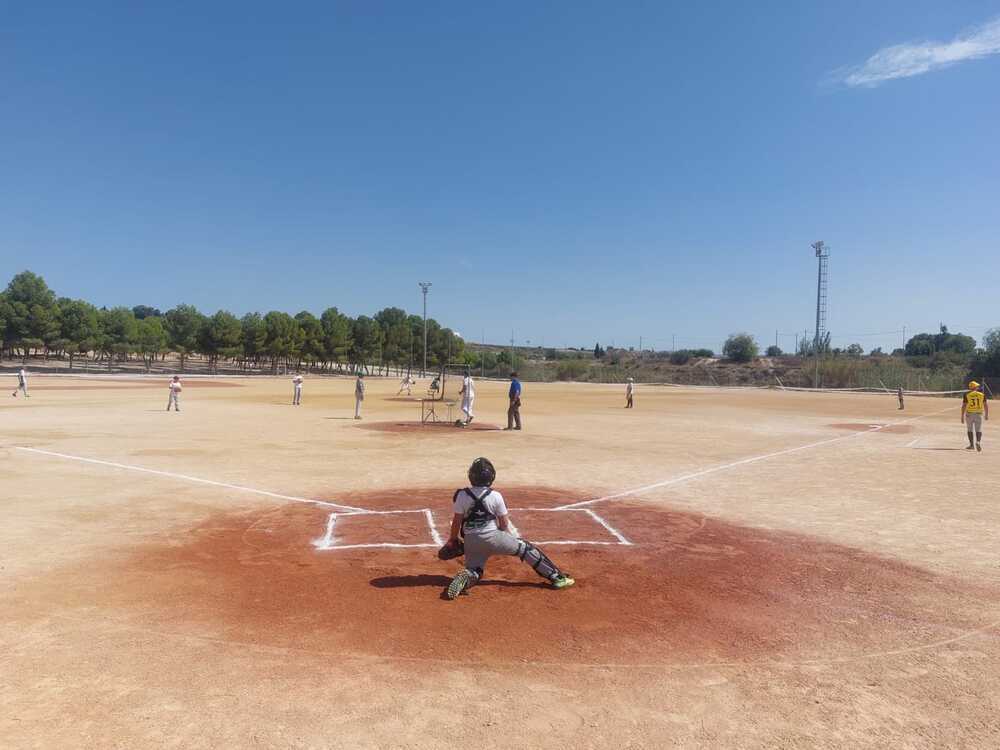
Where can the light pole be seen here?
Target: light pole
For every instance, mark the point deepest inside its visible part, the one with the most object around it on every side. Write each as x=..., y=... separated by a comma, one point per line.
x=425, y=285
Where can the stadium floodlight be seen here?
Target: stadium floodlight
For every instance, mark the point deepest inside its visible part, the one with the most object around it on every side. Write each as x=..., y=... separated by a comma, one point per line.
x=823, y=260
x=424, y=285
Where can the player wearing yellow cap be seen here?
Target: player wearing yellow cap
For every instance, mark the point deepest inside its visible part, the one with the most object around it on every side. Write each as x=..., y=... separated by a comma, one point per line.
x=974, y=410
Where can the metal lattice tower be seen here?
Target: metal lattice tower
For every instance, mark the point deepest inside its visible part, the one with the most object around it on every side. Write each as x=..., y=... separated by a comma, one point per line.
x=425, y=286
x=823, y=258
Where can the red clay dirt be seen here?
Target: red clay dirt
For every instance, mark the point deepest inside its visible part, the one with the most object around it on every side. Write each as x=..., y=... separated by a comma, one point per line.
x=430, y=428
x=896, y=429
x=689, y=590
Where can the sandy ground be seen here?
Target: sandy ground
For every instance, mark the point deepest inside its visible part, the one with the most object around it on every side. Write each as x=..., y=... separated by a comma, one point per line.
x=767, y=570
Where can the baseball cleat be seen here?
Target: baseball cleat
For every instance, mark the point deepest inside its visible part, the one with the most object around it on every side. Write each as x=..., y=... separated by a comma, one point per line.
x=979, y=447
x=969, y=448
x=562, y=582
x=459, y=583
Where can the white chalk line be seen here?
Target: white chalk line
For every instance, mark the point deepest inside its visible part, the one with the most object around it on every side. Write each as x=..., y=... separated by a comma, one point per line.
x=434, y=532
x=425, y=545
x=198, y=480
x=376, y=545
x=613, y=531
x=741, y=462
x=327, y=542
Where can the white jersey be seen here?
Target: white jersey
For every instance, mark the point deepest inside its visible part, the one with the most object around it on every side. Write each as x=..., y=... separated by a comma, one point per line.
x=175, y=386
x=297, y=380
x=22, y=378
x=494, y=503
x=468, y=391
x=629, y=389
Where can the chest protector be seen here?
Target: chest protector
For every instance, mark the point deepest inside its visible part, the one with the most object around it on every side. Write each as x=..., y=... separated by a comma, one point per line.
x=477, y=517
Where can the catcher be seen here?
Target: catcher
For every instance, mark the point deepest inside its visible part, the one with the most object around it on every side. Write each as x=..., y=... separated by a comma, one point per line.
x=479, y=530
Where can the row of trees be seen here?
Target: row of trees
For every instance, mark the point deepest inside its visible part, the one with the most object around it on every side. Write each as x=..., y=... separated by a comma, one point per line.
x=934, y=351
x=35, y=322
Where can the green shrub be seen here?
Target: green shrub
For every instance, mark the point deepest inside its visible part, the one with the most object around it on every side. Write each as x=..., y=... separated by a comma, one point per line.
x=740, y=347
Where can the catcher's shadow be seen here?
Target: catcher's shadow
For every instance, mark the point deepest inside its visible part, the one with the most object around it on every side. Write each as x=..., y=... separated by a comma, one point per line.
x=441, y=582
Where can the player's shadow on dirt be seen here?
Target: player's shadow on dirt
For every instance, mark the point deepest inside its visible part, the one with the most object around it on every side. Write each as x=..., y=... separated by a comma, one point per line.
x=939, y=449
x=441, y=582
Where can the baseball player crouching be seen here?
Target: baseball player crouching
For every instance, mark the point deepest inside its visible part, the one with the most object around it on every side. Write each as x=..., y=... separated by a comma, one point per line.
x=481, y=524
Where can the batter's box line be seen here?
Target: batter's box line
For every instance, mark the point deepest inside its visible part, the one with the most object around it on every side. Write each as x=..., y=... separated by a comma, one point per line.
x=328, y=540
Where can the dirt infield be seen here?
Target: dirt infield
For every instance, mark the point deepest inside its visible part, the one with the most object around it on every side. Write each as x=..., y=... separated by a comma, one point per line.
x=427, y=428
x=811, y=571
x=883, y=428
x=121, y=385
x=690, y=590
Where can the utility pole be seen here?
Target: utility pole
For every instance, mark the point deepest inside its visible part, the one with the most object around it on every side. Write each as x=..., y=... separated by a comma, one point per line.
x=513, y=364
x=640, y=345
x=425, y=285
x=673, y=342
x=904, y=339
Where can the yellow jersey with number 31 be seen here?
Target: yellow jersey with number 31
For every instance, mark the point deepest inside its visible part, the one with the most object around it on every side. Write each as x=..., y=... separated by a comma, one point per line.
x=974, y=401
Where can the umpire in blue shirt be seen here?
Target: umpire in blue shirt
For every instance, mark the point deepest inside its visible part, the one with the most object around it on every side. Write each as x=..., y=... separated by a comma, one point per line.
x=514, y=410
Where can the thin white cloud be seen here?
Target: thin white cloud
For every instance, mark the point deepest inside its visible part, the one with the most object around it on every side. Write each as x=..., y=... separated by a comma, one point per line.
x=917, y=58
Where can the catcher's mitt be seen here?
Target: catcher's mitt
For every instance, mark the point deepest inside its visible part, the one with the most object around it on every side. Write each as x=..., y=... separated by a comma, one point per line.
x=451, y=550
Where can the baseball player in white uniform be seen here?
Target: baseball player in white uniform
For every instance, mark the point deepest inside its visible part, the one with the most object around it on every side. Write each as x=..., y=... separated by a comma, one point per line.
x=22, y=383
x=359, y=394
x=406, y=385
x=629, y=393
x=468, y=395
x=175, y=393
x=297, y=392
x=480, y=519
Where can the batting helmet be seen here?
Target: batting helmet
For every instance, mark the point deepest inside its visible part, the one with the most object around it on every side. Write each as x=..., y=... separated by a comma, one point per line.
x=482, y=473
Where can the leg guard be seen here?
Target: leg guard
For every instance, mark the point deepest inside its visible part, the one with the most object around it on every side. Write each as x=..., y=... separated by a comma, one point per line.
x=537, y=559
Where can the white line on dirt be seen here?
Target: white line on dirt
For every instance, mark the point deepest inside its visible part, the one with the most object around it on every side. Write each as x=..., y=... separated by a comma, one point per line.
x=399, y=545
x=375, y=545
x=741, y=462
x=434, y=532
x=913, y=442
x=327, y=541
x=613, y=531
x=186, y=478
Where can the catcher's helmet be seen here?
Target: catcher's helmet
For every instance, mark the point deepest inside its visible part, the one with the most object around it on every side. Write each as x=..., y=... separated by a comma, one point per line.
x=482, y=473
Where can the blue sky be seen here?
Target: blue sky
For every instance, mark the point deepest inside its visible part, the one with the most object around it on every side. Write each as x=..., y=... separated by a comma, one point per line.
x=572, y=171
